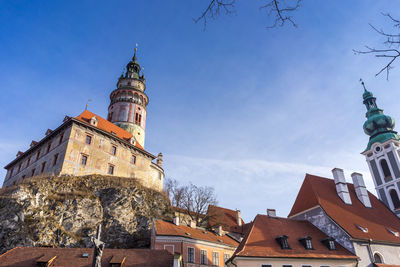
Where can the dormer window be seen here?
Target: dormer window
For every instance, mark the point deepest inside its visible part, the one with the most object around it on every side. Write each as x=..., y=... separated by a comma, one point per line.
x=329, y=243
x=94, y=121
x=306, y=242
x=283, y=241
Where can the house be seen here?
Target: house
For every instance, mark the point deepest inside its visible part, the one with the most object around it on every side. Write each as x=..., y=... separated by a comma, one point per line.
x=280, y=242
x=198, y=246
x=83, y=257
x=354, y=217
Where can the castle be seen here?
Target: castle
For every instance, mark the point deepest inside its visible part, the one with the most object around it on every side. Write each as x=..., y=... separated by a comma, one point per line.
x=89, y=144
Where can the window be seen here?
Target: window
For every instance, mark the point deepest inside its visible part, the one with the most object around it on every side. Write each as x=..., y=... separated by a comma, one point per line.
x=395, y=198
x=84, y=160
x=386, y=171
x=203, y=256
x=377, y=258
x=43, y=166
x=190, y=255
x=306, y=242
x=285, y=265
x=48, y=147
x=283, y=241
x=114, y=150
x=133, y=160
x=61, y=138
x=55, y=159
x=215, y=258
x=266, y=265
x=19, y=167
x=226, y=257
x=33, y=172
x=332, y=245
x=11, y=172
x=38, y=155
x=29, y=161
x=88, y=139
x=111, y=169
x=329, y=243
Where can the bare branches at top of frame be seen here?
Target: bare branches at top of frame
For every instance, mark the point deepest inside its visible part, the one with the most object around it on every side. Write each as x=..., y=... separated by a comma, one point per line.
x=392, y=43
x=214, y=9
x=281, y=12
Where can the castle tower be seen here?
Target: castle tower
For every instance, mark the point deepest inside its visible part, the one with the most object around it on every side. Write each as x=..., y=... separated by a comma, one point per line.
x=128, y=102
x=382, y=153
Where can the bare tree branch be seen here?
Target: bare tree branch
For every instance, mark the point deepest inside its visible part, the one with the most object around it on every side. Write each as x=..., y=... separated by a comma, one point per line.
x=214, y=9
x=392, y=40
x=281, y=11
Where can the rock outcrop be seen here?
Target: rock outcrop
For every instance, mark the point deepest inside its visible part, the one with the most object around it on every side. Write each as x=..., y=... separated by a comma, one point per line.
x=65, y=211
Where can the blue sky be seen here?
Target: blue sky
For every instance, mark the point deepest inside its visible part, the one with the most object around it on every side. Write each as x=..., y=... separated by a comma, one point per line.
x=239, y=107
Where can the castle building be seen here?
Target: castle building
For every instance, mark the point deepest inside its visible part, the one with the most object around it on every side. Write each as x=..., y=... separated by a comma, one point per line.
x=89, y=144
x=382, y=153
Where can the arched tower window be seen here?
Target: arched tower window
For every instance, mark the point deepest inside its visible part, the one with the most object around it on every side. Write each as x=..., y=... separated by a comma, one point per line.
x=386, y=170
x=377, y=258
x=395, y=198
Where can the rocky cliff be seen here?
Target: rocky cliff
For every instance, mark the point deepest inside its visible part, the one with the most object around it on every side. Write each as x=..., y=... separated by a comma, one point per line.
x=65, y=211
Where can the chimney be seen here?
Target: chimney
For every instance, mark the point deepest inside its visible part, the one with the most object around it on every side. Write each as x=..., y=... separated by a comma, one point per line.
x=341, y=185
x=219, y=230
x=360, y=188
x=176, y=220
x=192, y=223
x=271, y=213
x=238, y=217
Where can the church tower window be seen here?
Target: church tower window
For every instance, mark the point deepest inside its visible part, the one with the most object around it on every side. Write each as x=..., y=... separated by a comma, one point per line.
x=88, y=139
x=55, y=159
x=61, y=138
x=386, y=170
x=395, y=198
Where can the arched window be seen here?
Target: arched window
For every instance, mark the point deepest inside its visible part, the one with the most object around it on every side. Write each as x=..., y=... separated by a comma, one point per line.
x=377, y=258
x=395, y=198
x=386, y=170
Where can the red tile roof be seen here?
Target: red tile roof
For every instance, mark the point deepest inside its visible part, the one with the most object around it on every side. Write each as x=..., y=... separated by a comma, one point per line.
x=379, y=220
x=224, y=217
x=260, y=241
x=106, y=126
x=67, y=257
x=164, y=228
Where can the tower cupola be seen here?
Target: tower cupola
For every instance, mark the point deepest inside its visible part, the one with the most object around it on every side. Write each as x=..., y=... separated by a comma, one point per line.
x=128, y=104
x=378, y=125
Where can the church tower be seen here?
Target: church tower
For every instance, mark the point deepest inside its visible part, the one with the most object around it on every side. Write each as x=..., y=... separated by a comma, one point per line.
x=128, y=102
x=382, y=153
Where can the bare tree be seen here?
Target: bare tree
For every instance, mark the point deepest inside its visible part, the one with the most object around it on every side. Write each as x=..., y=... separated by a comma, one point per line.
x=191, y=199
x=391, y=46
x=279, y=10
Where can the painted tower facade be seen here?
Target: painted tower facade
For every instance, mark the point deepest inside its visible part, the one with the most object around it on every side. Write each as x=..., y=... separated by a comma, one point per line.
x=382, y=153
x=127, y=108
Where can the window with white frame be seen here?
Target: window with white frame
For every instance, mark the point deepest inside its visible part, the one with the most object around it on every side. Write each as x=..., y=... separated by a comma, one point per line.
x=215, y=258
x=203, y=256
x=190, y=255
x=226, y=257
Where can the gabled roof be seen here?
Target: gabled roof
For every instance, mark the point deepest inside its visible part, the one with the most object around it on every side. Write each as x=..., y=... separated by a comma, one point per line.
x=28, y=256
x=379, y=220
x=164, y=228
x=224, y=217
x=260, y=241
x=106, y=126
